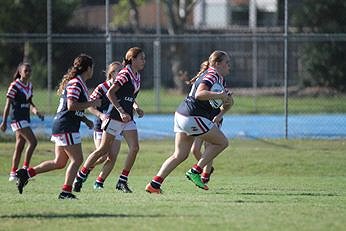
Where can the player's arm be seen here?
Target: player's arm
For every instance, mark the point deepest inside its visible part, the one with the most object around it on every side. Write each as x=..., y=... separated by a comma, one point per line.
x=74, y=105
x=114, y=100
x=35, y=111
x=88, y=122
x=3, y=125
x=203, y=93
x=138, y=110
x=97, y=113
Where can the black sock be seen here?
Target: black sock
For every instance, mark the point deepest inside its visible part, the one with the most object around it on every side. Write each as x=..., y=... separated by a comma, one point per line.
x=194, y=171
x=155, y=185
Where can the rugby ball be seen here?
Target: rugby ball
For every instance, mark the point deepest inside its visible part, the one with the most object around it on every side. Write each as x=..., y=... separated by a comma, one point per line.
x=216, y=103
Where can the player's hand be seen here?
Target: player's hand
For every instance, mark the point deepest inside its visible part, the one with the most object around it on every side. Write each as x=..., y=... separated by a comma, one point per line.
x=228, y=99
x=89, y=123
x=3, y=126
x=217, y=120
x=40, y=115
x=139, y=112
x=125, y=117
x=103, y=116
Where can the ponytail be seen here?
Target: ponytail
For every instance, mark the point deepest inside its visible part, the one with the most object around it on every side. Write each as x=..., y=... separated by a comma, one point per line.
x=80, y=65
x=203, y=67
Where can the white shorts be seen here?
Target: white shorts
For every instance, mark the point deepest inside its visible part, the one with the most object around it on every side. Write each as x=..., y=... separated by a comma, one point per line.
x=115, y=127
x=66, y=139
x=19, y=125
x=192, y=125
x=98, y=136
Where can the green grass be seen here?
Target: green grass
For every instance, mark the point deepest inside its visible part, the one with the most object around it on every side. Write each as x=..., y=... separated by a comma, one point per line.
x=169, y=101
x=257, y=185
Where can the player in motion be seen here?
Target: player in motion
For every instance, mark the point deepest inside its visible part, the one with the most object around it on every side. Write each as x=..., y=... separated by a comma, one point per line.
x=18, y=103
x=122, y=95
x=101, y=115
x=74, y=99
x=192, y=119
x=216, y=116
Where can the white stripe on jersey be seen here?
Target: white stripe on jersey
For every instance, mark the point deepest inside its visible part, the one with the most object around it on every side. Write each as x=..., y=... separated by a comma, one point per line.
x=121, y=78
x=73, y=91
x=73, y=82
x=26, y=89
x=136, y=78
x=11, y=92
x=101, y=90
x=213, y=76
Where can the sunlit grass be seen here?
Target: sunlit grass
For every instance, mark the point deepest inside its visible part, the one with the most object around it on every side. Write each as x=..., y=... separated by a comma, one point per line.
x=257, y=185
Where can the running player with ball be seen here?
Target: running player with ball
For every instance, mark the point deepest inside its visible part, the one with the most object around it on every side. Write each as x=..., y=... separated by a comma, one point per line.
x=216, y=116
x=193, y=119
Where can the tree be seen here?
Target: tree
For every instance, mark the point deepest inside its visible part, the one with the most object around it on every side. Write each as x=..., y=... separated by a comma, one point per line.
x=324, y=61
x=177, y=13
x=29, y=16
x=127, y=13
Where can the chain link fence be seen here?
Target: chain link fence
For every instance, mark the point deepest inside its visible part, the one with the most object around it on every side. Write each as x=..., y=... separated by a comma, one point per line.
x=257, y=62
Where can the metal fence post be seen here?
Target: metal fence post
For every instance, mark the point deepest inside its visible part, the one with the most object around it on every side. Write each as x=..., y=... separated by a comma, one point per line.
x=157, y=58
x=286, y=70
x=49, y=54
x=108, y=36
x=253, y=26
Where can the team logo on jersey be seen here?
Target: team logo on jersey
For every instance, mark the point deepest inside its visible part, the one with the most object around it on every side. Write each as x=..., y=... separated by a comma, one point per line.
x=25, y=105
x=79, y=113
x=130, y=99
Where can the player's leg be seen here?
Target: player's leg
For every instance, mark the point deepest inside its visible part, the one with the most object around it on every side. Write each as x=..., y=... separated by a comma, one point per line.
x=31, y=141
x=183, y=144
x=18, y=149
x=59, y=162
x=196, y=150
x=217, y=143
x=131, y=137
x=108, y=164
x=75, y=154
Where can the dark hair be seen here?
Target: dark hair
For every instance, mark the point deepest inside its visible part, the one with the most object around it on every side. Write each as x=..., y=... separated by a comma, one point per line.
x=80, y=65
x=16, y=75
x=132, y=53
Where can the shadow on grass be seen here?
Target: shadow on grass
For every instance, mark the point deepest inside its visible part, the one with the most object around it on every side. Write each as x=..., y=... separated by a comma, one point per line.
x=270, y=142
x=312, y=194
x=75, y=215
x=250, y=202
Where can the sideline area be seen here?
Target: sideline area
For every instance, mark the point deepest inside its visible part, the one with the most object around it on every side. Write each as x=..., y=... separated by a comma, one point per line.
x=309, y=126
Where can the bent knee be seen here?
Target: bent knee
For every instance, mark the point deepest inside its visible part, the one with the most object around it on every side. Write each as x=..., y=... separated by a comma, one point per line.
x=179, y=157
x=223, y=143
x=33, y=143
x=78, y=162
x=134, y=149
x=196, y=152
x=59, y=165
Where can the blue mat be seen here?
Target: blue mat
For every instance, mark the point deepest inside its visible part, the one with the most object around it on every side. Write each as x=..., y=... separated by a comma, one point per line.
x=309, y=126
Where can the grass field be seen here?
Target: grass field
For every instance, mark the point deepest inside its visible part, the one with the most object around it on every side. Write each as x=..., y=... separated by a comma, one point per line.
x=169, y=100
x=257, y=185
